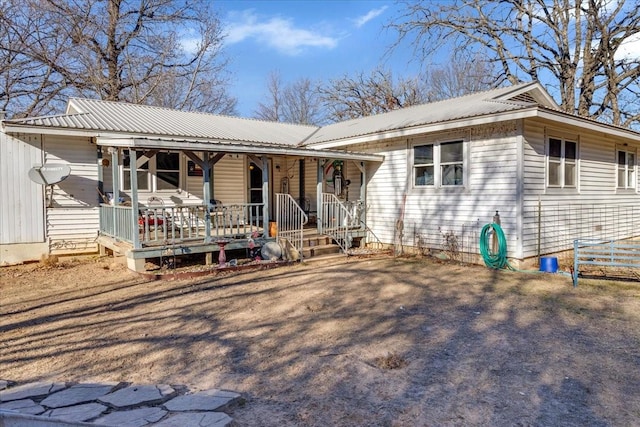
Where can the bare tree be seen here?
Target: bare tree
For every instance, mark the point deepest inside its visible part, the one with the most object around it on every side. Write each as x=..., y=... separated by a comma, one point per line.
x=270, y=110
x=574, y=46
x=296, y=102
x=25, y=85
x=364, y=95
x=162, y=52
x=301, y=103
x=458, y=77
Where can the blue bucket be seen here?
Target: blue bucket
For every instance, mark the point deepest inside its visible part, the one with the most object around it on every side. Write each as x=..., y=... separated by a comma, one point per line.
x=549, y=264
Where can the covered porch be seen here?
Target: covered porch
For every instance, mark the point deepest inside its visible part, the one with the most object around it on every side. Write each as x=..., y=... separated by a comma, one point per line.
x=145, y=221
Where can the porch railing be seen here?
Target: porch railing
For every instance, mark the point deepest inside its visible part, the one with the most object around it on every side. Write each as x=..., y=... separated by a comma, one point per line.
x=336, y=220
x=116, y=221
x=181, y=223
x=290, y=219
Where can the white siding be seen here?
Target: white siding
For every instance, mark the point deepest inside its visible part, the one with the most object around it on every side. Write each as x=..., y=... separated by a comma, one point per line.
x=21, y=200
x=72, y=216
x=596, y=209
x=430, y=213
x=230, y=179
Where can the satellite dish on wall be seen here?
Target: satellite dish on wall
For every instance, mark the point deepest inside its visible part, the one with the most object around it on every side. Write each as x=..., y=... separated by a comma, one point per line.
x=49, y=174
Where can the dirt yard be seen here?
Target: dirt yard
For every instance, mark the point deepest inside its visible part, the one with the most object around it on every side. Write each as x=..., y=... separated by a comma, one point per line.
x=375, y=342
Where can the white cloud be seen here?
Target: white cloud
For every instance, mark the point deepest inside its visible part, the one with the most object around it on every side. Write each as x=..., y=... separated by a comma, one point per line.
x=191, y=45
x=278, y=33
x=629, y=48
x=361, y=20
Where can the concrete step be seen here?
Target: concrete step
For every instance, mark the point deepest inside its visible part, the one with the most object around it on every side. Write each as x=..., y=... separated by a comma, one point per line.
x=316, y=241
x=311, y=251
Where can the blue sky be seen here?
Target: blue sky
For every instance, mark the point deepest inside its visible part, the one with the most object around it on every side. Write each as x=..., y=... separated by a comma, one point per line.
x=319, y=40
x=315, y=39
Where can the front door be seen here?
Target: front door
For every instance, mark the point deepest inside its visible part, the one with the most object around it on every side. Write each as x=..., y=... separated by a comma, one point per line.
x=255, y=188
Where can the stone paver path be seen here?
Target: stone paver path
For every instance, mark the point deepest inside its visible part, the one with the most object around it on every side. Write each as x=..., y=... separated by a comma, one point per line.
x=116, y=404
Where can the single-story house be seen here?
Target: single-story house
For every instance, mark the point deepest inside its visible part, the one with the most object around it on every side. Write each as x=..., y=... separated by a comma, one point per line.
x=152, y=180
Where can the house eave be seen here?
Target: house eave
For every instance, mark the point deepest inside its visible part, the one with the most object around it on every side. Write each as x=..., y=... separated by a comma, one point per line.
x=543, y=113
x=233, y=147
x=584, y=123
x=427, y=128
x=11, y=128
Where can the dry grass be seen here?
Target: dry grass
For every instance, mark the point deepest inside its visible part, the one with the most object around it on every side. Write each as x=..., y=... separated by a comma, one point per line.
x=376, y=342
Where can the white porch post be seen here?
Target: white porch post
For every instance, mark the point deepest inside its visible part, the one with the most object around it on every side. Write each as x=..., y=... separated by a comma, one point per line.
x=133, y=170
x=319, y=188
x=363, y=191
x=265, y=194
x=206, y=194
x=115, y=179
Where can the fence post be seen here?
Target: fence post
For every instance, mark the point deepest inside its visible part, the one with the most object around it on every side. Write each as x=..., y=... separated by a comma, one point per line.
x=494, y=241
x=575, y=263
x=539, y=226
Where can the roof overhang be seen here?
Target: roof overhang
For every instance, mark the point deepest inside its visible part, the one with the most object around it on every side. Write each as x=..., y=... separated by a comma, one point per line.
x=9, y=127
x=234, y=147
x=427, y=128
x=584, y=123
x=543, y=113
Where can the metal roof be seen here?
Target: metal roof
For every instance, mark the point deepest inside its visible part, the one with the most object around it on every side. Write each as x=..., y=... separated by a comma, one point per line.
x=237, y=147
x=478, y=104
x=126, y=118
x=120, y=119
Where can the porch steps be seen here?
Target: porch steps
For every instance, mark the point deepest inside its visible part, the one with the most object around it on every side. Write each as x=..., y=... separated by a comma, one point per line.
x=314, y=244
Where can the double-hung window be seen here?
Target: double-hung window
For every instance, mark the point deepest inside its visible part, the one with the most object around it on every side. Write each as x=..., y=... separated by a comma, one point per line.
x=626, y=169
x=439, y=164
x=562, y=163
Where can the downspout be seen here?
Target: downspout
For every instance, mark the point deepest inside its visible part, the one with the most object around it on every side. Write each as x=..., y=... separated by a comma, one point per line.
x=520, y=189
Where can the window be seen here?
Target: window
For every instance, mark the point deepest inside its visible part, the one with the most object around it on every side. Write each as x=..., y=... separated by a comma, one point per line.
x=626, y=169
x=451, y=161
x=143, y=173
x=441, y=163
x=160, y=173
x=167, y=171
x=562, y=163
x=423, y=164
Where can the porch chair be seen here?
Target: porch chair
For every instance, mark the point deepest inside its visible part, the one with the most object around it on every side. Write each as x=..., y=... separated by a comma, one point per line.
x=154, y=215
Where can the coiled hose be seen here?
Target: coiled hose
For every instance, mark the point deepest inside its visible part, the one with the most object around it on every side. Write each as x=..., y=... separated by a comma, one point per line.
x=496, y=260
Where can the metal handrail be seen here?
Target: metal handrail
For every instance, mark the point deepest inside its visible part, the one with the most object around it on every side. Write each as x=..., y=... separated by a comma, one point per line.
x=290, y=220
x=335, y=220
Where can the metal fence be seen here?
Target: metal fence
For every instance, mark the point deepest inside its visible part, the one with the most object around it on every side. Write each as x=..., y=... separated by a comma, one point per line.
x=548, y=228
x=552, y=227
x=453, y=239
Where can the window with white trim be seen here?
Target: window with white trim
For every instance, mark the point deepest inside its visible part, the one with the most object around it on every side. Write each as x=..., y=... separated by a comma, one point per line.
x=160, y=173
x=142, y=172
x=562, y=163
x=440, y=164
x=626, y=169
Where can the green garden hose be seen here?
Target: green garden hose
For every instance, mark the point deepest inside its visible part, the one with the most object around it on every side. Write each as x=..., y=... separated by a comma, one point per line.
x=496, y=260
